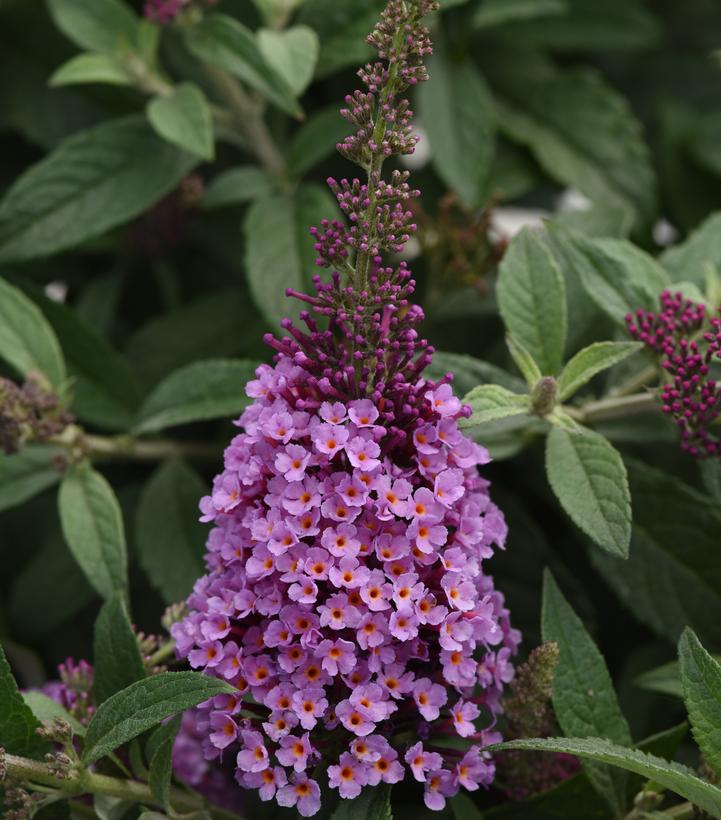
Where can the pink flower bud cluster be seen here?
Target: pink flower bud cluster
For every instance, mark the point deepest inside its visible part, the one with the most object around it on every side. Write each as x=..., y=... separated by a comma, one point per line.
x=691, y=398
x=346, y=598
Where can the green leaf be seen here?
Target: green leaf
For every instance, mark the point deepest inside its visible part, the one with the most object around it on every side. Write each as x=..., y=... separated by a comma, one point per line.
x=711, y=476
x=524, y=360
x=495, y=12
x=584, y=699
x=670, y=775
x=91, y=182
x=457, y=114
x=591, y=26
x=90, y=68
x=582, y=133
x=27, y=341
x=226, y=43
x=183, y=118
x=665, y=679
x=236, y=186
x=589, y=479
x=315, y=140
x=105, y=390
x=689, y=259
x=116, y=655
x=161, y=760
x=342, y=29
x=490, y=402
x=618, y=276
x=373, y=803
x=53, y=577
x=107, y=26
x=701, y=680
x=279, y=249
x=223, y=323
x=532, y=299
x=211, y=389
x=17, y=722
x=25, y=474
x=464, y=808
x=144, y=704
x=592, y=360
x=170, y=539
x=45, y=708
x=93, y=528
x=293, y=53
x=468, y=372
x=675, y=531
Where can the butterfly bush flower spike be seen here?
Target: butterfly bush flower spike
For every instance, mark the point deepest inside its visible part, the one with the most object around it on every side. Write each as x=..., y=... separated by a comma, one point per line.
x=346, y=596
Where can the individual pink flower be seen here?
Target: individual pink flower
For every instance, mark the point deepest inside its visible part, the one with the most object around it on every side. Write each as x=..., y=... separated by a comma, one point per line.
x=301, y=792
x=430, y=697
x=294, y=751
x=421, y=761
x=349, y=776
x=254, y=756
x=463, y=714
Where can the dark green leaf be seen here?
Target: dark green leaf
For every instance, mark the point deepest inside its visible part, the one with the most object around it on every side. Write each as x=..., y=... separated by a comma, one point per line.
x=532, y=300
x=226, y=43
x=17, y=722
x=220, y=324
x=236, y=186
x=203, y=390
x=93, y=528
x=27, y=341
x=342, y=29
x=279, y=249
x=373, y=803
x=160, y=755
x=584, y=699
x=675, y=532
x=25, y=474
x=711, y=475
x=116, y=655
x=53, y=577
x=183, y=118
x=464, y=808
x=456, y=110
x=108, y=26
x=701, y=680
x=495, y=12
x=589, y=479
x=672, y=776
x=105, y=389
x=91, y=182
x=315, y=139
x=143, y=705
x=169, y=537
x=582, y=133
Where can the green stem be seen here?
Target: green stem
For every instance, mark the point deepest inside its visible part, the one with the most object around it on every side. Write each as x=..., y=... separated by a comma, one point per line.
x=247, y=116
x=594, y=412
x=161, y=655
x=81, y=781
x=635, y=382
x=80, y=443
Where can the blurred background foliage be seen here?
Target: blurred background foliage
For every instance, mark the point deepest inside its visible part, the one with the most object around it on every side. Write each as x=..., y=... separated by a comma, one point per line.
x=154, y=236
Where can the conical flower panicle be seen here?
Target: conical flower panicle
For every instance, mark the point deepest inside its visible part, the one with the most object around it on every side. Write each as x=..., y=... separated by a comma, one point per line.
x=346, y=597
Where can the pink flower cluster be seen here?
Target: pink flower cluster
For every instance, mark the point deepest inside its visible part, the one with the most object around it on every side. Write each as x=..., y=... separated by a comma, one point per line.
x=691, y=397
x=346, y=598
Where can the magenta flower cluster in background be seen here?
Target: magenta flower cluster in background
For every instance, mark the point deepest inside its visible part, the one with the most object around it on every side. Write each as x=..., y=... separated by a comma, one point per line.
x=691, y=398
x=346, y=596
